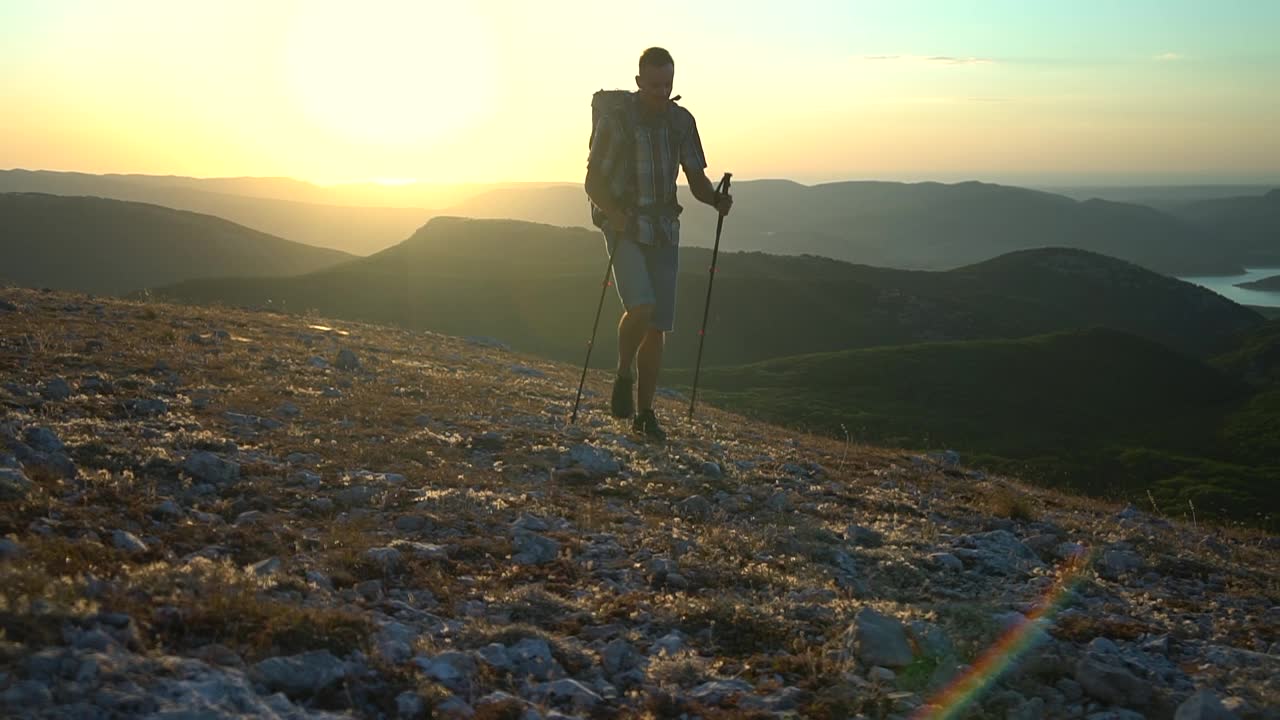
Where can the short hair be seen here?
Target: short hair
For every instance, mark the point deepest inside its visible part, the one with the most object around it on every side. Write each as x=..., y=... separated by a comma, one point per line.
x=655, y=57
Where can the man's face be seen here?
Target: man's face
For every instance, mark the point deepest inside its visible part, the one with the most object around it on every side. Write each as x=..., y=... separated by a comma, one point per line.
x=655, y=85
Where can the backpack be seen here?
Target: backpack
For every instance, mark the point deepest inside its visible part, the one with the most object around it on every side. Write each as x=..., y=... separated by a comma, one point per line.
x=619, y=103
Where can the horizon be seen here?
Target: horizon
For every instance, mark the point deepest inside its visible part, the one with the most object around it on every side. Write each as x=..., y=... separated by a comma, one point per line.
x=1046, y=183
x=1091, y=95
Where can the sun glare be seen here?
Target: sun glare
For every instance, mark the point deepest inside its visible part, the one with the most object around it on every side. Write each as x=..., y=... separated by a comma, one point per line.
x=389, y=71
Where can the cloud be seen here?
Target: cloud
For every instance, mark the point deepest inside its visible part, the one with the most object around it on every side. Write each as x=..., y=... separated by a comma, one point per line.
x=929, y=59
x=1169, y=57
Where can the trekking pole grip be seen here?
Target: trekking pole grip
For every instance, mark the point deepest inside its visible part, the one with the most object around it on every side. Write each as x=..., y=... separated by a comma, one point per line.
x=723, y=187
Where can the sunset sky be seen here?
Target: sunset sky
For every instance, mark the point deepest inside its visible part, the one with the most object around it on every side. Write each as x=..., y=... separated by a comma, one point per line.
x=1166, y=91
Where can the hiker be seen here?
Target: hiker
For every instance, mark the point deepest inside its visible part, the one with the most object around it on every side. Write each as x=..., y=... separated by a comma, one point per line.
x=636, y=150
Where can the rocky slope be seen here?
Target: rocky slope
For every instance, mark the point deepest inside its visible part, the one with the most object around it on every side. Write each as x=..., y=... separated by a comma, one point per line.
x=260, y=515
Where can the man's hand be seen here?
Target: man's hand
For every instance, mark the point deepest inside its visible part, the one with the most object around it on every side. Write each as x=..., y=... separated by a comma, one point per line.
x=723, y=203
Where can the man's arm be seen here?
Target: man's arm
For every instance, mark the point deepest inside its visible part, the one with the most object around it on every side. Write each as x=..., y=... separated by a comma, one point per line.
x=703, y=191
x=694, y=162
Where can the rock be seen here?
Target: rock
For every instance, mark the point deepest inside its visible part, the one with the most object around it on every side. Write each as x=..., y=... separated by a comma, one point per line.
x=866, y=537
x=319, y=579
x=715, y=692
x=43, y=440
x=452, y=708
x=454, y=670
x=1111, y=684
x=306, y=478
x=534, y=549
x=530, y=523
x=946, y=561
x=167, y=510
x=597, y=461
x=499, y=704
x=1204, y=705
x=619, y=656
x=998, y=552
x=387, y=558
x=712, y=469
x=693, y=507
x=668, y=644
x=288, y=410
x=317, y=362
x=778, y=502
x=495, y=656
x=148, y=407
x=488, y=441
x=25, y=696
x=14, y=484
x=1117, y=561
x=127, y=541
x=531, y=657
x=880, y=640
x=207, y=467
x=882, y=675
x=413, y=523
x=248, y=517
x=370, y=590
x=347, y=360
x=526, y=371
x=56, y=389
x=265, y=568
x=568, y=692
x=300, y=675
x=488, y=342
x=410, y=706
x=10, y=549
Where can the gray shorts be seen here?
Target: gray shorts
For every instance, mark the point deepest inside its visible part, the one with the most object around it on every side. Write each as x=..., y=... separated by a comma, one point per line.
x=646, y=275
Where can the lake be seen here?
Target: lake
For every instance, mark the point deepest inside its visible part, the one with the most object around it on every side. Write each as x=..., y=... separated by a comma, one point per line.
x=1225, y=285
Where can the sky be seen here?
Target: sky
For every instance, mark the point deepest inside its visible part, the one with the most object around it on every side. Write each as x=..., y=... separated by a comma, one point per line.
x=1044, y=92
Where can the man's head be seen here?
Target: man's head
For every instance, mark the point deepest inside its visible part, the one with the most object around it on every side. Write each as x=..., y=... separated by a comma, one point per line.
x=657, y=75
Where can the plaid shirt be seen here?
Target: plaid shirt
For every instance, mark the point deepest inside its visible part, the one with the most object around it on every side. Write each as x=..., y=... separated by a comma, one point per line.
x=663, y=143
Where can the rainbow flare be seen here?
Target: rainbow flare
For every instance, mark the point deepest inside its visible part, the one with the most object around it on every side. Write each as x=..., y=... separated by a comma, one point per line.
x=1016, y=641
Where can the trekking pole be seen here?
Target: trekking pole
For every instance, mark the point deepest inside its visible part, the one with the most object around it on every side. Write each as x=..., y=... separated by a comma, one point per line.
x=702, y=334
x=604, y=285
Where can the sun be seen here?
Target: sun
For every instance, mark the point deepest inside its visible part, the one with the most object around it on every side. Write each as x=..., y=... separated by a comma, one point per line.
x=389, y=72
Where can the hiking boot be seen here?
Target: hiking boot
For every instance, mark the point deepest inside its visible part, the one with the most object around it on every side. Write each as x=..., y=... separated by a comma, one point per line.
x=623, y=404
x=647, y=423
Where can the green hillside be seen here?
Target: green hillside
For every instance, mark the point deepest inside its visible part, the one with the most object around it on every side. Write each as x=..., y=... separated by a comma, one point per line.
x=1096, y=410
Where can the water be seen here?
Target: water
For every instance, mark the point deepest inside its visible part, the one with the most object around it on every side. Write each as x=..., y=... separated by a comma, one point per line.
x=1225, y=285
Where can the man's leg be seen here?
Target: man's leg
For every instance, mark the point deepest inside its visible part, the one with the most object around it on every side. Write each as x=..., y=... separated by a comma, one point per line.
x=632, y=329
x=647, y=365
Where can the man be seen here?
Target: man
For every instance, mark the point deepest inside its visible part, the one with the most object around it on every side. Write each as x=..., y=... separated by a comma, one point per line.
x=631, y=180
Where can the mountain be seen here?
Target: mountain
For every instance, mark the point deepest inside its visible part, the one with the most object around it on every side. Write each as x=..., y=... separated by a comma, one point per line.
x=108, y=246
x=1247, y=227
x=206, y=508
x=536, y=288
x=350, y=228
x=1271, y=284
x=928, y=226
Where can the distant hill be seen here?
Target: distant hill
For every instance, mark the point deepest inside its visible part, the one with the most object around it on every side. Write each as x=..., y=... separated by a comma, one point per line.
x=1247, y=227
x=349, y=228
x=109, y=246
x=1270, y=284
x=1161, y=197
x=536, y=286
x=928, y=226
